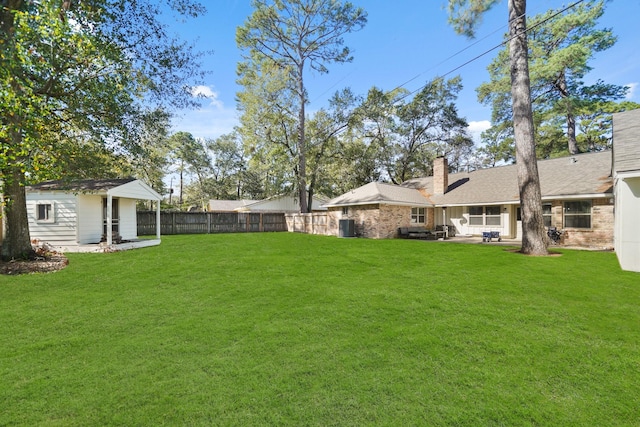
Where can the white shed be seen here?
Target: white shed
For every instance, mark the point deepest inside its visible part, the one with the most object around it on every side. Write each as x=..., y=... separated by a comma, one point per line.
x=89, y=215
x=626, y=167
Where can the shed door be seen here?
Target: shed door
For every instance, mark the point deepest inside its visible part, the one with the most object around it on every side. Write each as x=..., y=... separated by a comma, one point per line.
x=115, y=216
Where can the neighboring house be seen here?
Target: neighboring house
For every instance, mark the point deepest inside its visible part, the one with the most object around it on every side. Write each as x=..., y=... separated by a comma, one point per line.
x=89, y=215
x=228, y=205
x=286, y=204
x=626, y=172
x=577, y=195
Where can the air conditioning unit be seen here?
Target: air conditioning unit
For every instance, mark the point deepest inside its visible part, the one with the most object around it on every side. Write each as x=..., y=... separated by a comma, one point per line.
x=347, y=228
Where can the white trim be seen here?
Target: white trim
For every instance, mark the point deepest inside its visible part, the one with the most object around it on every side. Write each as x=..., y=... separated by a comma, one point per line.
x=628, y=174
x=544, y=199
x=386, y=202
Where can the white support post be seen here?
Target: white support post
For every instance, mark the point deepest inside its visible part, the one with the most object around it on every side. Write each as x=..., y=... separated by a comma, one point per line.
x=109, y=219
x=157, y=219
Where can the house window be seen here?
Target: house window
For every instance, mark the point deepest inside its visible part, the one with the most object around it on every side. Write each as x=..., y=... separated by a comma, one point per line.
x=546, y=214
x=492, y=215
x=345, y=210
x=577, y=214
x=475, y=215
x=418, y=215
x=44, y=212
x=484, y=215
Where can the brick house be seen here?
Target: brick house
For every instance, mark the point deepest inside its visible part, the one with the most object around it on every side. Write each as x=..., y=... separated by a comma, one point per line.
x=577, y=196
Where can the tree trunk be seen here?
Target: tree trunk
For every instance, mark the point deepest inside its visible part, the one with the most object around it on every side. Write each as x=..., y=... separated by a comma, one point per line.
x=302, y=149
x=572, y=143
x=534, y=241
x=16, y=243
x=571, y=134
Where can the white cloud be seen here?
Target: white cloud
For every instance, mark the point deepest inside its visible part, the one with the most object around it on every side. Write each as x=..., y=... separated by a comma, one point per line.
x=206, y=122
x=632, y=90
x=208, y=93
x=476, y=128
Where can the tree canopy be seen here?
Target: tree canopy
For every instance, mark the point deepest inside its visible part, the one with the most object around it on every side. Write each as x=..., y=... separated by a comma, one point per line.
x=282, y=40
x=81, y=77
x=561, y=44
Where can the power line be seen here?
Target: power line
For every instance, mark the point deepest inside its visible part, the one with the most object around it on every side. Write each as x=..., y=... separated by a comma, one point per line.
x=494, y=47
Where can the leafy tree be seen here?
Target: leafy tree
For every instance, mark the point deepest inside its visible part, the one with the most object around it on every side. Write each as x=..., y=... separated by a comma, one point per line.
x=325, y=128
x=353, y=164
x=295, y=36
x=268, y=125
x=192, y=158
x=76, y=73
x=228, y=167
x=497, y=145
x=560, y=47
x=148, y=159
x=595, y=123
x=409, y=135
x=465, y=16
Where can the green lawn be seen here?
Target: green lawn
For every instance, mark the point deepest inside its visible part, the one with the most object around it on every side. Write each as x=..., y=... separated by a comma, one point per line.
x=290, y=329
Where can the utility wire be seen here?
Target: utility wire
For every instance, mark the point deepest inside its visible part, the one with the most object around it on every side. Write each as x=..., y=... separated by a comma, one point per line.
x=454, y=55
x=493, y=48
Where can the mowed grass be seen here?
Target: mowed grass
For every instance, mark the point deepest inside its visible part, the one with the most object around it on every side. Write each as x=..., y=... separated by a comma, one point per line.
x=290, y=329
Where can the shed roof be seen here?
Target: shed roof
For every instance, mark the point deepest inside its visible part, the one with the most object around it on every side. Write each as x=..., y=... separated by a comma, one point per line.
x=586, y=174
x=380, y=193
x=120, y=187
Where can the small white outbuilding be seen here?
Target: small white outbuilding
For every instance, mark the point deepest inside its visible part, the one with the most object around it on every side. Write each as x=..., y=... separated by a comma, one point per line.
x=626, y=169
x=89, y=215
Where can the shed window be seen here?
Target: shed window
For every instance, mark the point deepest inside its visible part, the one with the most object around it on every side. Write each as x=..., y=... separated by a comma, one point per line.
x=345, y=210
x=577, y=214
x=44, y=212
x=417, y=215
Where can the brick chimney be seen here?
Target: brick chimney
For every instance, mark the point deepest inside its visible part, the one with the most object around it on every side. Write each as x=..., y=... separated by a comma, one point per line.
x=440, y=175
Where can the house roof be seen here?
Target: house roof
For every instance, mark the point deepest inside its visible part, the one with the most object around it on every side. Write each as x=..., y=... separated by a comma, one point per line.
x=283, y=203
x=123, y=187
x=380, y=193
x=586, y=174
x=626, y=134
x=228, y=205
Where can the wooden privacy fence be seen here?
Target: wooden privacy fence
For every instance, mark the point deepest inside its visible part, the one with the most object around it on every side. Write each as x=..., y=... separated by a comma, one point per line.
x=210, y=222
x=310, y=223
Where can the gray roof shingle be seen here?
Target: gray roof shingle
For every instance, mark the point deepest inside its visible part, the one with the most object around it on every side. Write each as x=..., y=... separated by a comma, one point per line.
x=82, y=185
x=581, y=174
x=380, y=193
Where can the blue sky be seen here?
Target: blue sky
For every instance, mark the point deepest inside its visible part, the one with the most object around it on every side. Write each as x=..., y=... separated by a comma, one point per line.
x=404, y=40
